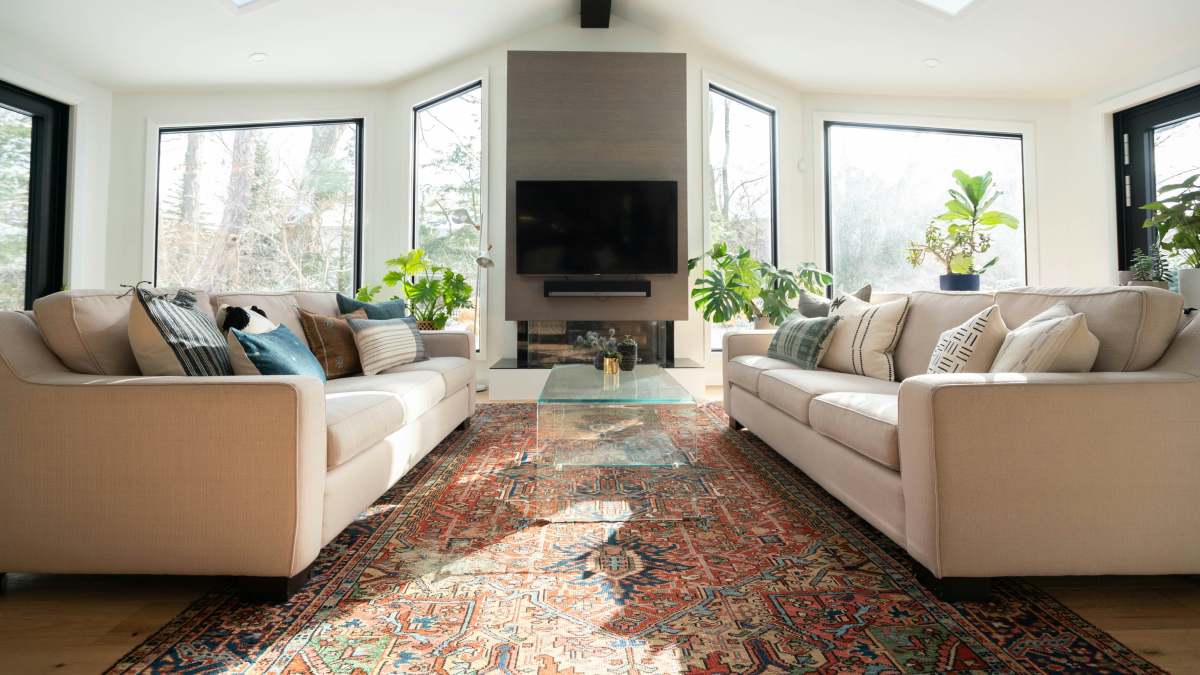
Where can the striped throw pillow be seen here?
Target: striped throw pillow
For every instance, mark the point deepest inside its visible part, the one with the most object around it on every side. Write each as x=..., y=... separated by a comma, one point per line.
x=802, y=340
x=171, y=335
x=865, y=338
x=387, y=343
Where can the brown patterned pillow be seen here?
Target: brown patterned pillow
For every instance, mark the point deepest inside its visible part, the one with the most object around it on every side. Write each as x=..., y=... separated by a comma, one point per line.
x=332, y=342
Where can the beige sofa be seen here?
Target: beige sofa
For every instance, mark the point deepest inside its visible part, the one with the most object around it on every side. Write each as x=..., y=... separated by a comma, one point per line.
x=106, y=471
x=985, y=475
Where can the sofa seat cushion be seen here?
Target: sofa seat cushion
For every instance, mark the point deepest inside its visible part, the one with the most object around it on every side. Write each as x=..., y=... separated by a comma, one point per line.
x=456, y=371
x=865, y=423
x=745, y=370
x=361, y=411
x=793, y=390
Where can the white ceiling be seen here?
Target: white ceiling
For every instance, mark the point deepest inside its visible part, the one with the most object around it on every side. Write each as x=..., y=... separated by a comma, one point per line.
x=997, y=48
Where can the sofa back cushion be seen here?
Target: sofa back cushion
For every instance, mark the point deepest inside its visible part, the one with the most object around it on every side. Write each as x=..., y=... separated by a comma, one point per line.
x=931, y=313
x=318, y=302
x=1134, y=324
x=281, y=308
x=88, y=330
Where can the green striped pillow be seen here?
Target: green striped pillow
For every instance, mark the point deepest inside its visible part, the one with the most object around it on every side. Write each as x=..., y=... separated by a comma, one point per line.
x=802, y=340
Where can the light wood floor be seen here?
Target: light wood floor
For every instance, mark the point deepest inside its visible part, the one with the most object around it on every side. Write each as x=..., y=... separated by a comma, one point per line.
x=82, y=624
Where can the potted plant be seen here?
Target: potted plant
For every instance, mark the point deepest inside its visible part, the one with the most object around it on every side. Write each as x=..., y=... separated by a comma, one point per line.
x=968, y=224
x=1150, y=269
x=605, y=346
x=433, y=292
x=740, y=285
x=1177, y=219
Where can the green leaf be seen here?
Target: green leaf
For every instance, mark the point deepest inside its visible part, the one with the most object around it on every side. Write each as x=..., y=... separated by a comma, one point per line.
x=961, y=264
x=996, y=218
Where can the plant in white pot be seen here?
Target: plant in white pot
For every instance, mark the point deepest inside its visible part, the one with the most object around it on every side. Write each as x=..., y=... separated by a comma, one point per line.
x=1176, y=217
x=968, y=224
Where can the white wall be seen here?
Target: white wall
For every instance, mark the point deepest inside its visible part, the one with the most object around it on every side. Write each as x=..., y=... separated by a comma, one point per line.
x=87, y=178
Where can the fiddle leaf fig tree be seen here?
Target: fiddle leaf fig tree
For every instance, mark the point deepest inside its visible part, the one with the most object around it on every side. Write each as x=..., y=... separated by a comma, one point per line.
x=968, y=223
x=738, y=284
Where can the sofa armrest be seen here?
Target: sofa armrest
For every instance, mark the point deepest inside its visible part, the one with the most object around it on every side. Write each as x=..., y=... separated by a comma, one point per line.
x=737, y=343
x=448, y=343
x=1051, y=473
x=165, y=475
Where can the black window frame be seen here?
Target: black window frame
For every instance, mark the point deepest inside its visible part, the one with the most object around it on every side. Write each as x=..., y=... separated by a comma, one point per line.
x=774, y=159
x=45, y=251
x=1011, y=135
x=416, y=110
x=1133, y=130
x=360, y=126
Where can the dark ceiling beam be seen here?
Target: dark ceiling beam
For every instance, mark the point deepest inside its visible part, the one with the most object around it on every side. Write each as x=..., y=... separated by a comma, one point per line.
x=594, y=13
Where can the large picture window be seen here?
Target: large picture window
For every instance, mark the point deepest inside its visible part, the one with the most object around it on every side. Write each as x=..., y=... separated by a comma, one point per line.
x=33, y=184
x=884, y=184
x=1158, y=144
x=448, y=188
x=268, y=207
x=739, y=177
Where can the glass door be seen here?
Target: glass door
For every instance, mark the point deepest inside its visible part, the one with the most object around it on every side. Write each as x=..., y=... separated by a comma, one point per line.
x=33, y=179
x=1157, y=144
x=16, y=148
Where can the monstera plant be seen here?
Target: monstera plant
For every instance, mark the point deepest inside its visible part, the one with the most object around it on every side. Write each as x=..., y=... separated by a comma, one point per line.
x=433, y=292
x=738, y=284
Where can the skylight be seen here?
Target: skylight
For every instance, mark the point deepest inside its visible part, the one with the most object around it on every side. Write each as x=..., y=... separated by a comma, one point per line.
x=951, y=7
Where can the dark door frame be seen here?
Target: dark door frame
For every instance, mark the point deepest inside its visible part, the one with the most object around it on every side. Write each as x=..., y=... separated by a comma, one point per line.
x=1133, y=131
x=45, y=250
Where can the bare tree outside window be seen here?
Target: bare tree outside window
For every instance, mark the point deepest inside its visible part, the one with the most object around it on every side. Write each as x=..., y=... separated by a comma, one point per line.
x=447, y=189
x=16, y=147
x=885, y=185
x=739, y=182
x=269, y=208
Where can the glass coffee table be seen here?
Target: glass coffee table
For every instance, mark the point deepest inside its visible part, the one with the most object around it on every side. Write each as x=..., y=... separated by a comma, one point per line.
x=586, y=418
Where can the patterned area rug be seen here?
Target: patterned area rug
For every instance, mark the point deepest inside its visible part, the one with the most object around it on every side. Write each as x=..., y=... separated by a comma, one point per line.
x=482, y=561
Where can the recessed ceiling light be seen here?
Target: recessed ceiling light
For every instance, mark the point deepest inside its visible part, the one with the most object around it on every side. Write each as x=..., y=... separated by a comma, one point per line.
x=950, y=7
x=241, y=3
x=932, y=63
x=258, y=57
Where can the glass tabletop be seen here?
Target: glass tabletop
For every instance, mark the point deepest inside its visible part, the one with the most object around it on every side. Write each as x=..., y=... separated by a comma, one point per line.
x=581, y=383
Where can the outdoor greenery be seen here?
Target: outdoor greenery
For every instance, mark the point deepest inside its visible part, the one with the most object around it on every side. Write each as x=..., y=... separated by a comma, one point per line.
x=16, y=136
x=264, y=208
x=1176, y=216
x=740, y=285
x=433, y=292
x=968, y=224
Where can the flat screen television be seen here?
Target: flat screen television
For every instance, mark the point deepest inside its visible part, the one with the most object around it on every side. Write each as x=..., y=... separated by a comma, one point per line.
x=578, y=227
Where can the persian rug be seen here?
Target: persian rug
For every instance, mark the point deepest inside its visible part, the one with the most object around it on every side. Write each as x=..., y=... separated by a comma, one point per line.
x=481, y=560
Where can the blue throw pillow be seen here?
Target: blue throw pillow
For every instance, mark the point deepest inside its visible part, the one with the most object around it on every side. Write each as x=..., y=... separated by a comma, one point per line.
x=279, y=352
x=376, y=311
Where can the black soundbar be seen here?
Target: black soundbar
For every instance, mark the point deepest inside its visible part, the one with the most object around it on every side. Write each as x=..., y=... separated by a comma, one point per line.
x=596, y=289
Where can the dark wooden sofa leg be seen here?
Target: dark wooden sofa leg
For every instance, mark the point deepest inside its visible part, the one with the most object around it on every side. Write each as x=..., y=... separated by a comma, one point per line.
x=957, y=589
x=273, y=589
x=3, y=582
x=735, y=425
x=463, y=424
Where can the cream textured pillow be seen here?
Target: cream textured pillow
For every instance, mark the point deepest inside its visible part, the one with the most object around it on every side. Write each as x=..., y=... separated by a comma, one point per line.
x=1055, y=341
x=972, y=346
x=865, y=337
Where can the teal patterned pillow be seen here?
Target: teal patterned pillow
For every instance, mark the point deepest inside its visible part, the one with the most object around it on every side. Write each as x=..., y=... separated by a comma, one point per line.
x=802, y=340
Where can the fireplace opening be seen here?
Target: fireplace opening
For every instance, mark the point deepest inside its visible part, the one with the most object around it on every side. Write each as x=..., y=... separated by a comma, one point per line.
x=542, y=344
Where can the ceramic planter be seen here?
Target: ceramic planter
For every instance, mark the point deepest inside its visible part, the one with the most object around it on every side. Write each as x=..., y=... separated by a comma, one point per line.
x=762, y=323
x=1189, y=287
x=959, y=282
x=426, y=325
x=628, y=350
